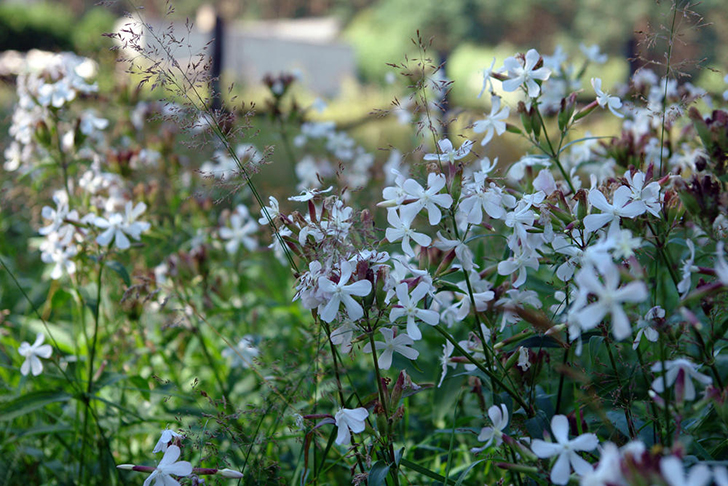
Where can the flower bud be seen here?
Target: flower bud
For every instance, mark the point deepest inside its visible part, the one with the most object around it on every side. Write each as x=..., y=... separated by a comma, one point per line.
x=230, y=474
x=586, y=110
x=42, y=134
x=535, y=121
x=525, y=118
x=568, y=105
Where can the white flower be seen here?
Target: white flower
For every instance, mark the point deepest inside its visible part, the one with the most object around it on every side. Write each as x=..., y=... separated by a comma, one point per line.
x=308, y=194
x=518, y=262
x=339, y=293
x=592, y=53
x=91, y=123
x=118, y=226
x=243, y=354
x=401, y=222
x=673, y=473
x=408, y=307
x=679, y=367
x=609, y=299
x=32, y=354
x=523, y=73
x=162, y=475
x=566, y=450
x=447, y=350
x=487, y=82
x=493, y=199
x=608, y=471
x=131, y=226
x=494, y=122
x=644, y=326
x=461, y=251
x=623, y=207
x=61, y=255
x=348, y=419
x=241, y=227
x=649, y=194
x=603, y=98
x=523, y=362
x=164, y=441
x=400, y=344
x=56, y=94
x=499, y=419
x=429, y=199
x=273, y=210
x=343, y=335
x=448, y=152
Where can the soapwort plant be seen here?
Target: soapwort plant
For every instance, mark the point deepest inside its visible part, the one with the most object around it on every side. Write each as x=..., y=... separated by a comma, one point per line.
x=559, y=318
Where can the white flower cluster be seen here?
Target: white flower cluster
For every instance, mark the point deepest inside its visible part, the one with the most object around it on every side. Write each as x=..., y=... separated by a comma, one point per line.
x=46, y=83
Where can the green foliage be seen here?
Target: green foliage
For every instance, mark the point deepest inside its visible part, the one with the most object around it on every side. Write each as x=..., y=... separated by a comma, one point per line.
x=53, y=27
x=47, y=26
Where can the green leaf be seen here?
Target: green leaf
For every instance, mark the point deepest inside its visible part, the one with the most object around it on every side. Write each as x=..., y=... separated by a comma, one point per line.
x=142, y=385
x=426, y=472
x=30, y=402
x=466, y=472
x=120, y=270
x=377, y=474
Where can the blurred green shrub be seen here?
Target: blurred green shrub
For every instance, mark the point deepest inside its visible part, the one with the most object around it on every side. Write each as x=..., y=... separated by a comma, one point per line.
x=52, y=27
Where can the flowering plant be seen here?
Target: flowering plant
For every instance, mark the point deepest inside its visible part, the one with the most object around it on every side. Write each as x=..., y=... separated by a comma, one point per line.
x=444, y=315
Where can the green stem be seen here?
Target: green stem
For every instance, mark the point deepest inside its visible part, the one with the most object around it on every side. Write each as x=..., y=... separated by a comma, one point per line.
x=627, y=410
x=553, y=154
x=516, y=397
x=92, y=357
x=383, y=400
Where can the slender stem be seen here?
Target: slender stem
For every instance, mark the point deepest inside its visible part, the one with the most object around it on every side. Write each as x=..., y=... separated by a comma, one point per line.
x=340, y=389
x=647, y=385
x=670, y=42
x=383, y=400
x=553, y=154
x=561, y=380
x=627, y=410
x=92, y=357
x=665, y=393
x=516, y=397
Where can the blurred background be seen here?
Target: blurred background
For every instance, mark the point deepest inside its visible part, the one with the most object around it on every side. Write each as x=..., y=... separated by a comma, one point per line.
x=336, y=47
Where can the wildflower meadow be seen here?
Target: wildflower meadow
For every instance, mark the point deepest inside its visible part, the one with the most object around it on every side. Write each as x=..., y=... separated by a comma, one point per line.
x=256, y=294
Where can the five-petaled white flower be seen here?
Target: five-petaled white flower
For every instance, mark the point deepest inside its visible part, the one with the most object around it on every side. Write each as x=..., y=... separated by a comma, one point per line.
x=241, y=227
x=429, y=199
x=499, y=419
x=162, y=475
x=520, y=73
x=118, y=226
x=408, y=308
x=683, y=369
x=604, y=100
x=622, y=207
x=494, y=122
x=32, y=354
x=448, y=152
x=609, y=299
x=400, y=344
x=340, y=292
x=347, y=419
x=566, y=450
x=401, y=221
